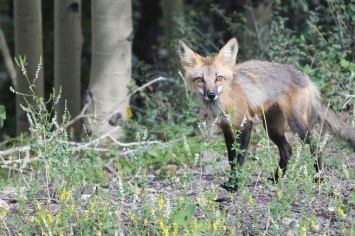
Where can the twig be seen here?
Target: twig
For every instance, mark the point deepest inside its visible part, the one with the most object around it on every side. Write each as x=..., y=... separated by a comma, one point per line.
x=321, y=129
x=109, y=168
x=267, y=131
x=146, y=85
x=348, y=99
x=3, y=220
x=337, y=22
x=75, y=119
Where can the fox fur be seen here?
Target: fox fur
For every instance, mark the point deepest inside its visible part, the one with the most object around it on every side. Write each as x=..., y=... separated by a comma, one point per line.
x=234, y=94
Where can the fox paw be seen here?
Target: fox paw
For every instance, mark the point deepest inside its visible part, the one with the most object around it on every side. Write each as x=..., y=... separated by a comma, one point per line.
x=273, y=179
x=318, y=180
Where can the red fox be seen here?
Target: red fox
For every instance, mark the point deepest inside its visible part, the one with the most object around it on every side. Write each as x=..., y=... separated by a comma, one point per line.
x=278, y=94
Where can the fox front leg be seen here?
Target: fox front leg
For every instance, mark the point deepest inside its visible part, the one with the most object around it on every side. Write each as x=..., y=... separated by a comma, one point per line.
x=242, y=141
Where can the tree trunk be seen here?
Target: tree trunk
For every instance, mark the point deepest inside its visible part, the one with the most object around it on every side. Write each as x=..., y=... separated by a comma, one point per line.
x=67, y=58
x=7, y=58
x=28, y=42
x=112, y=36
x=170, y=9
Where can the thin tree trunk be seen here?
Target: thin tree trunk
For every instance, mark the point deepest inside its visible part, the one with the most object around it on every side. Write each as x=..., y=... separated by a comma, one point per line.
x=7, y=58
x=67, y=58
x=28, y=42
x=170, y=9
x=111, y=63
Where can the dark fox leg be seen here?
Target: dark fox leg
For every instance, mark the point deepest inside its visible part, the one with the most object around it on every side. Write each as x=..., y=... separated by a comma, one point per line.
x=285, y=151
x=275, y=125
x=243, y=142
x=301, y=128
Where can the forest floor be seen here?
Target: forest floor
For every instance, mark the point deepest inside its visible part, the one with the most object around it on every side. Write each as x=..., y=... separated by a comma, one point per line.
x=188, y=200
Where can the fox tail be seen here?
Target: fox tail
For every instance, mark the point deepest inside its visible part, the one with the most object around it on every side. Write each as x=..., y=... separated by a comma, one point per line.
x=332, y=123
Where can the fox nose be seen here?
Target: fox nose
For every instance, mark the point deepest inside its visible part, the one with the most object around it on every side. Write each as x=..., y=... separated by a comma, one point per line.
x=211, y=95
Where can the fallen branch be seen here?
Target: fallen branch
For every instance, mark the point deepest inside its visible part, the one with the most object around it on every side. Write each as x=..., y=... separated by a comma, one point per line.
x=135, y=143
x=15, y=150
x=8, y=162
x=97, y=140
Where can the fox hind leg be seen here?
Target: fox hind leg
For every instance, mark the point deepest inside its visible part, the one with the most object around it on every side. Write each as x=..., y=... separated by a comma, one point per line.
x=275, y=125
x=299, y=126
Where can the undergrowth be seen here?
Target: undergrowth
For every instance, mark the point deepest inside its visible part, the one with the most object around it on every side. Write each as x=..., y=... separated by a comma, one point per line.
x=167, y=181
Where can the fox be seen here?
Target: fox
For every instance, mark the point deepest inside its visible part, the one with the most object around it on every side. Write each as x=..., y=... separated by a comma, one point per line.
x=279, y=94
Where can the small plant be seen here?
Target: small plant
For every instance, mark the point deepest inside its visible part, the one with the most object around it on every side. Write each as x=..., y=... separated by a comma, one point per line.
x=2, y=115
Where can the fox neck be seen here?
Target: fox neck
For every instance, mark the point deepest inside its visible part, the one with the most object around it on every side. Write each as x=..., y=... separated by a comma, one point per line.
x=217, y=111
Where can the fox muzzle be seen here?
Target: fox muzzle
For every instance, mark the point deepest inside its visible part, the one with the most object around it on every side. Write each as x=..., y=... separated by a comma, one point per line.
x=211, y=95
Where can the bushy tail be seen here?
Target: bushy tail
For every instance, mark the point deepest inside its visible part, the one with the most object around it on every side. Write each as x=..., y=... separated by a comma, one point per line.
x=332, y=123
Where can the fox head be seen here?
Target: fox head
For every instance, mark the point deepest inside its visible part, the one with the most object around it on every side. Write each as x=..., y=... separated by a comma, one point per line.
x=209, y=75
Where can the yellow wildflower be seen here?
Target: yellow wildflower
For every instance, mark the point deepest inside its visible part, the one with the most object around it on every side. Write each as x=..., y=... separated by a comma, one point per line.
x=195, y=226
x=161, y=202
x=279, y=195
x=129, y=112
x=250, y=199
x=175, y=229
x=341, y=213
x=50, y=217
x=215, y=226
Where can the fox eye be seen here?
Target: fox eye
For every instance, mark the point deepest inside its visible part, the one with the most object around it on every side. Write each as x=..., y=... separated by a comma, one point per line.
x=199, y=79
x=219, y=78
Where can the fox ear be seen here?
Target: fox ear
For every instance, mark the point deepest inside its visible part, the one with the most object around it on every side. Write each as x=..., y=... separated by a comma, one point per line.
x=187, y=56
x=228, y=54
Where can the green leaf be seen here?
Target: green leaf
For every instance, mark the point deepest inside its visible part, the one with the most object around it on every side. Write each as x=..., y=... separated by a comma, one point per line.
x=344, y=63
x=352, y=67
x=302, y=37
x=184, y=216
x=2, y=115
x=306, y=68
x=153, y=153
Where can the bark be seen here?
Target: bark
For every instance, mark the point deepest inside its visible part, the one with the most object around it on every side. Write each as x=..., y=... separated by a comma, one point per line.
x=112, y=36
x=28, y=42
x=258, y=16
x=67, y=58
x=170, y=9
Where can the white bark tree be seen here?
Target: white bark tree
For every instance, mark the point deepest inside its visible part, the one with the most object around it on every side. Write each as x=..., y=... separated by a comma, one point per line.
x=111, y=63
x=67, y=58
x=28, y=42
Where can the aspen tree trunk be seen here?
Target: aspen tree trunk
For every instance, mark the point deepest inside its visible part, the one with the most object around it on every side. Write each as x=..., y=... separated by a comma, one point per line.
x=170, y=9
x=258, y=17
x=67, y=58
x=28, y=42
x=111, y=64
